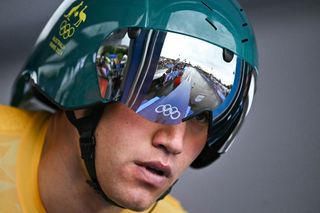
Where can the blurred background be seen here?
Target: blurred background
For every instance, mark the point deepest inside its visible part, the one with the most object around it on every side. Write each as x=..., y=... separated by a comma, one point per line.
x=273, y=166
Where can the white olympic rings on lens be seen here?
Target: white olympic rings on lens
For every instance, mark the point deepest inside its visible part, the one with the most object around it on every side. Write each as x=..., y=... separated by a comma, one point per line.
x=167, y=110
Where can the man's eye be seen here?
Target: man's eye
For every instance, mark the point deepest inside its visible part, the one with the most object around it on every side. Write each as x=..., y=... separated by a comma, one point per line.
x=202, y=118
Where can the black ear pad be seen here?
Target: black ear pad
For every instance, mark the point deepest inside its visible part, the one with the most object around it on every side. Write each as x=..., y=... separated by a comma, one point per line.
x=206, y=157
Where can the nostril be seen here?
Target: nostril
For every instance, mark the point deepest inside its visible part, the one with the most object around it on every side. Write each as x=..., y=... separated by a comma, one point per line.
x=164, y=148
x=169, y=138
x=169, y=147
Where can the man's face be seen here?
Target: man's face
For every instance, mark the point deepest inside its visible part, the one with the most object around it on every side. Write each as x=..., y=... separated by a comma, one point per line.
x=138, y=160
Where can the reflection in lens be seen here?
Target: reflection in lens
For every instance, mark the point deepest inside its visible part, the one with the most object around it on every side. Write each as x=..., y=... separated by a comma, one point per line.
x=111, y=60
x=199, y=64
x=190, y=75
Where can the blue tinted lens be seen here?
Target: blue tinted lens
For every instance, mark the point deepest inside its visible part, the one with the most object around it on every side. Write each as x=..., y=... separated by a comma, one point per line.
x=166, y=77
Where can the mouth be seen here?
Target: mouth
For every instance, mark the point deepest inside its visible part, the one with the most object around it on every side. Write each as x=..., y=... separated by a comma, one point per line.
x=154, y=173
x=157, y=168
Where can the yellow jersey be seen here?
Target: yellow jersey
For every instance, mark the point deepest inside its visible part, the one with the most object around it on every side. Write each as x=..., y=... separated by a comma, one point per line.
x=22, y=136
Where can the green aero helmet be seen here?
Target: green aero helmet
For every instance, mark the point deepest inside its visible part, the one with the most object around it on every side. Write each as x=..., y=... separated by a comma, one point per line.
x=166, y=60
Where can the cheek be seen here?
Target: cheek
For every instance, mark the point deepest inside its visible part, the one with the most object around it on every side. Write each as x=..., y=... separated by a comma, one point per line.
x=112, y=159
x=120, y=138
x=111, y=141
x=194, y=145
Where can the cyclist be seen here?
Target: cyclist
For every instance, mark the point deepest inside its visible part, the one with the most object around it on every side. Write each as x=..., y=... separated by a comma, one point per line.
x=113, y=139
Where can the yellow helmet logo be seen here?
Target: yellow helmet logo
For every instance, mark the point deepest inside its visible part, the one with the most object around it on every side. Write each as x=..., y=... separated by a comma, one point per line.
x=76, y=15
x=72, y=20
x=79, y=13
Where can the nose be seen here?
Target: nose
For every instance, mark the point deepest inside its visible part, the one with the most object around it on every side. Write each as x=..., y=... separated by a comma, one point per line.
x=170, y=138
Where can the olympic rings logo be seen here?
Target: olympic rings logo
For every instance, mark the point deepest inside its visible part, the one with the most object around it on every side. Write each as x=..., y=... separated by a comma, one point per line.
x=66, y=30
x=168, y=110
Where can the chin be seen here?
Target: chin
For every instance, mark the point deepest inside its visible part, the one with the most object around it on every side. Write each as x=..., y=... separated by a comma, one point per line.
x=136, y=201
x=137, y=206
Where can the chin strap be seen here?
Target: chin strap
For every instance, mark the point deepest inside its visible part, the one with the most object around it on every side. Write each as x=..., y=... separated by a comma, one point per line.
x=86, y=127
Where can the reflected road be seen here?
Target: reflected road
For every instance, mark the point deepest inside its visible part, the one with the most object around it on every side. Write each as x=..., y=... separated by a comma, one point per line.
x=203, y=91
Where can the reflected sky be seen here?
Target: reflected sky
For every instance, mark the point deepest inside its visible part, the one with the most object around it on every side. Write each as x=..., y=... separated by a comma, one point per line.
x=197, y=52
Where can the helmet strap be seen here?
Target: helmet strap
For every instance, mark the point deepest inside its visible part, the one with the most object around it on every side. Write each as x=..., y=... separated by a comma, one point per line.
x=86, y=127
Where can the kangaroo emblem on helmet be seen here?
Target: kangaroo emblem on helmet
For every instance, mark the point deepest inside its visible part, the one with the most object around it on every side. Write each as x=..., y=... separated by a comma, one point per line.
x=82, y=17
x=73, y=11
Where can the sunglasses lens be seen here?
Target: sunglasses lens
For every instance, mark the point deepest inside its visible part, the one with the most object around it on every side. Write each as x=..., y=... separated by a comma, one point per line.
x=167, y=77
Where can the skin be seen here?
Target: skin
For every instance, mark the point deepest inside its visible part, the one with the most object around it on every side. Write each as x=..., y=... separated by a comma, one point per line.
x=124, y=141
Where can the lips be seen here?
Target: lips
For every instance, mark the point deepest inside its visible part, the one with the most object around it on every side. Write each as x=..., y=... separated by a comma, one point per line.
x=157, y=168
x=154, y=174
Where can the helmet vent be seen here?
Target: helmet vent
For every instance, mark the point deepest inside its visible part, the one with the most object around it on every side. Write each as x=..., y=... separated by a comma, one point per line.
x=211, y=24
x=206, y=5
x=227, y=55
x=244, y=25
x=245, y=40
x=133, y=32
